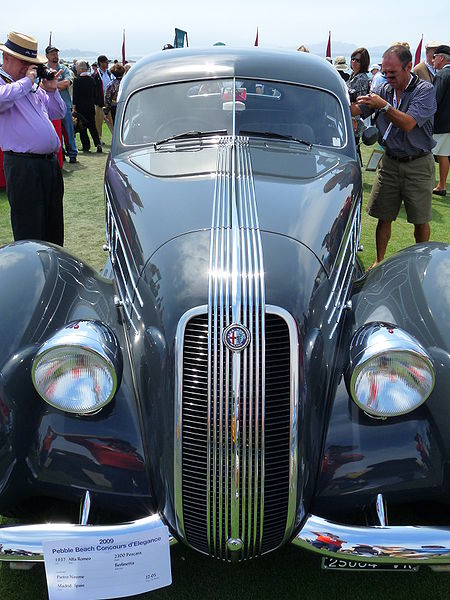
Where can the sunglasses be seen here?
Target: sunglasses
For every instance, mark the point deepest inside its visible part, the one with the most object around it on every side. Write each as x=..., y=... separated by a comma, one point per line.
x=436, y=55
x=358, y=60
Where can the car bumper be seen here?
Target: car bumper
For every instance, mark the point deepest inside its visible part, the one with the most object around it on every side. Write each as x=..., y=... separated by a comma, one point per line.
x=397, y=544
x=378, y=544
x=25, y=542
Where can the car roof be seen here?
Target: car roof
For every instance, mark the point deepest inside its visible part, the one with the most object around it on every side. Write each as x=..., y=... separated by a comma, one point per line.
x=185, y=64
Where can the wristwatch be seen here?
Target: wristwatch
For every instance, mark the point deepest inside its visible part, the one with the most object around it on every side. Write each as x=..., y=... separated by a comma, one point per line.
x=386, y=107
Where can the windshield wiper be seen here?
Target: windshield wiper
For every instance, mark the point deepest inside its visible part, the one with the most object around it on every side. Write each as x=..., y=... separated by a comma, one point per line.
x=275, y=135
x=190, y=134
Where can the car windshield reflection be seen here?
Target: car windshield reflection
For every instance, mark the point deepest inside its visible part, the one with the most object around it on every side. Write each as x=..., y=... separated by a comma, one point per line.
x=236, y=107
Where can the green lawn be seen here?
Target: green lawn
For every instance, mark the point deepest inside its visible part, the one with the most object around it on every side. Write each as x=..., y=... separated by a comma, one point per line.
x=289, y=573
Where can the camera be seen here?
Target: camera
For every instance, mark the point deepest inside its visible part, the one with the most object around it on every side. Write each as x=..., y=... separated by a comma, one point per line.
x=353, y=95
x=44, y=72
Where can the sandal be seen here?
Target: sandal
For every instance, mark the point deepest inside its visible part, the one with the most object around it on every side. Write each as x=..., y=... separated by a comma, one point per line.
x=438, y=192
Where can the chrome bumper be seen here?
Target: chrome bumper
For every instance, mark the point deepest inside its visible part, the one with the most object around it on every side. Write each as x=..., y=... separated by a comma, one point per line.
x=25, y=542
x=378, y=544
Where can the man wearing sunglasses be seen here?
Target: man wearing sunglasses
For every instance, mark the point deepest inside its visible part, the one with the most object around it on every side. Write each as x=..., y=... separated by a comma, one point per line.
x=441, y=62
x=403, y=109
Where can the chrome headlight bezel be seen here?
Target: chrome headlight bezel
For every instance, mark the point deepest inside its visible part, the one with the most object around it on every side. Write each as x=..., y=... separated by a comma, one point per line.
x=91, y=339
x=378, y=341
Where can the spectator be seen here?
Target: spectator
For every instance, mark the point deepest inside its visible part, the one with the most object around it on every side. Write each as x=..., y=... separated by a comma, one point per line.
x=378, y=79
x=94, y=69
x=73, y=67
x=112, y=90
x=405, y=106
x=64, y=83
x=102, y=79
x=441, y=62
x=359, y=85
x=84, y=91
x=425, y=69
x=127, y=66
x=342, y=67
x=34, y=182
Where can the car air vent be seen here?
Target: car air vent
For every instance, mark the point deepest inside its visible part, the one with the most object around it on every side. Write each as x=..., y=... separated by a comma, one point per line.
x=125, y=270
x=265, y=424
x=343, y=272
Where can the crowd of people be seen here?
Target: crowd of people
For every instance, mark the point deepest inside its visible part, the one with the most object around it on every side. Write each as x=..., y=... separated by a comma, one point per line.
x=410, y=107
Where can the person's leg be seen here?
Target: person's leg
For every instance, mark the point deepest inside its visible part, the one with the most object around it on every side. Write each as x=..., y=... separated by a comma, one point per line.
x=443, y=172
x=99, y=118
x=422, y=232
x=68, y=126
x=23, y=188
x=384, y=203
x=94, y=133
x=54, y=192
x=382, y=237
x=85, y=142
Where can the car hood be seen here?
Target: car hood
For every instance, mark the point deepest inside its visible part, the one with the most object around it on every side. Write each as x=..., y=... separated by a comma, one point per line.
x=305, y=194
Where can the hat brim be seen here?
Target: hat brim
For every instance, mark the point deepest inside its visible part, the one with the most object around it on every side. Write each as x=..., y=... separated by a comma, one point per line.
x=341, y=67
x=39, y=60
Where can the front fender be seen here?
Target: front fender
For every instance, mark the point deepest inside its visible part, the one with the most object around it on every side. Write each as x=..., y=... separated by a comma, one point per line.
x=44, y=451
x=405, y=458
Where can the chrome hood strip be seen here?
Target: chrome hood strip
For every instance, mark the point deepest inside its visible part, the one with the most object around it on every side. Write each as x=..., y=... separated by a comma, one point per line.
x=235, y=393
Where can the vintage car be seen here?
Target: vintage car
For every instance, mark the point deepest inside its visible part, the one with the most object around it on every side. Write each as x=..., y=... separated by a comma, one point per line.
x=232, y=374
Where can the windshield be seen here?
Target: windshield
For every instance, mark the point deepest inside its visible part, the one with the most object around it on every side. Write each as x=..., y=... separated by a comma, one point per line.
x=233, y=107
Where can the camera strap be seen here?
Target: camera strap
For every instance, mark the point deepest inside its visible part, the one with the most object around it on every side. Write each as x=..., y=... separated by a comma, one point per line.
x=397, y=104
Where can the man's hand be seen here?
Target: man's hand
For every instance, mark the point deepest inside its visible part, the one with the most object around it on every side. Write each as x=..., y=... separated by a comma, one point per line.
x=372, y=100
x=51, y=85
x=31, y=73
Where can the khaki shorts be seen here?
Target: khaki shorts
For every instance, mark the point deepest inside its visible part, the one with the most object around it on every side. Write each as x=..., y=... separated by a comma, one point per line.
x=411, y=182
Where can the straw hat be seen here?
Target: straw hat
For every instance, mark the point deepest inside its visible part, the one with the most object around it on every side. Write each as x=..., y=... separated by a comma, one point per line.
x=340, y=64
x=23, y=47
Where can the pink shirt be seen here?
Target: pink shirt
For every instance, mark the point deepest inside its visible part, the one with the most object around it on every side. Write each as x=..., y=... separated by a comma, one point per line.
x=25, y=117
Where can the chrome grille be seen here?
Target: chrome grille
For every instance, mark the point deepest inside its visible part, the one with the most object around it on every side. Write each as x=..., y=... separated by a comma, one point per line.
x=222, y=506
x=210, y=531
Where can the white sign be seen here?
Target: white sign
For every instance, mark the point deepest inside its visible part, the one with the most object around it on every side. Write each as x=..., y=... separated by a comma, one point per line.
x=95, y=568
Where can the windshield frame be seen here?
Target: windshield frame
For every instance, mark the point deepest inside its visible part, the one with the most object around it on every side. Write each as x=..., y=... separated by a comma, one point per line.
x=196, y=81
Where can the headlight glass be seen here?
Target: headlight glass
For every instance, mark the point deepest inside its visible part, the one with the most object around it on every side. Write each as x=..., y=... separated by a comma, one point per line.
x=391, y=373
x=75, y=371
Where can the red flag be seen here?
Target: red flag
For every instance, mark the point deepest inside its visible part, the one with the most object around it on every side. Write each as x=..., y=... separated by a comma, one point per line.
x=256, y=39
x=328, y=54
x=50, y=39
x=123, y=48
x=418, y=52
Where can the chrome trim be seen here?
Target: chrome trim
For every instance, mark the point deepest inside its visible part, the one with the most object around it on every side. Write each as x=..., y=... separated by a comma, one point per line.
x=124, y=278
x=25, y=542
x=390, y=544
x=347, y=259
x=85, y=508
x=381, y=512
x=178, y=450
x=294, y=434
x=235, y=408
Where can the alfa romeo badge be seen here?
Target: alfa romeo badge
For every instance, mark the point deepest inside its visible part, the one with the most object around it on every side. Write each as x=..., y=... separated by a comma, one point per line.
x=236, y=337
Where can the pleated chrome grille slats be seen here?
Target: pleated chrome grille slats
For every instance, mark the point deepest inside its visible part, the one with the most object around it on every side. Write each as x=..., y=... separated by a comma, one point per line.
x=236, y=444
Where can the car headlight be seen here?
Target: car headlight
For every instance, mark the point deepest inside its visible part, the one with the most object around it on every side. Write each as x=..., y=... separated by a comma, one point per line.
x=79, y=368
x=390, y=373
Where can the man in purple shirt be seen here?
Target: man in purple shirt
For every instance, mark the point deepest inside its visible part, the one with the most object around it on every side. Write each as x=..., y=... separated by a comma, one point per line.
x=34, y=183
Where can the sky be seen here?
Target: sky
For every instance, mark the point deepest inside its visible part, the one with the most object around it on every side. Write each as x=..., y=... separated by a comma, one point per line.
x=149, y=25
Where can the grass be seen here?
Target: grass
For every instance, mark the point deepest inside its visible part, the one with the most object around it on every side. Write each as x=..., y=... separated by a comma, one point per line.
x=290, y=572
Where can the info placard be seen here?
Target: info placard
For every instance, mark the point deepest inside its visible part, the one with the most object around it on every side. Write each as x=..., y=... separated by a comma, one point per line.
x=113, y=566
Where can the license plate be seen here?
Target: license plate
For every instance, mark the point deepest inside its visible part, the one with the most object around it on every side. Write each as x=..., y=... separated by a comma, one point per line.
x=339, y=564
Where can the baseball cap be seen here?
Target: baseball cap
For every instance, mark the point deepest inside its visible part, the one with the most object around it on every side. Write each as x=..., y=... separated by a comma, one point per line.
x=51, y=49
